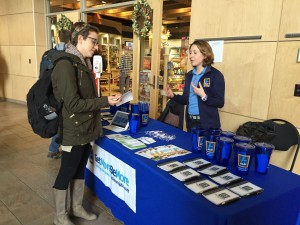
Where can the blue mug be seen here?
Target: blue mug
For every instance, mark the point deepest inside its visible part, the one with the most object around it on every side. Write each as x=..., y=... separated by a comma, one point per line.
x=229, y=134
x=134, y=108
x=144, y=113
x=201, y=133
x=224, y=149
x=239, y=139
x=210, y=146
x=198, y=136
x=263, y=152
x=215, y=131
x=134, y=123
x=244, y=154
x=144, y=117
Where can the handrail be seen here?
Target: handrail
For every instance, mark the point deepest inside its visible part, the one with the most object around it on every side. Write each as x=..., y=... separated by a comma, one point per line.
x=292, y=35
x=238, y=38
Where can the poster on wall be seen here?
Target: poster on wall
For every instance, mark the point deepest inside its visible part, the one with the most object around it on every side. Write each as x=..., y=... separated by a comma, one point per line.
x=217, y=48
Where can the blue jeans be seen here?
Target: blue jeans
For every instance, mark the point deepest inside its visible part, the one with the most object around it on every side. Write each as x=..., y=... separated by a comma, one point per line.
x=54, y=147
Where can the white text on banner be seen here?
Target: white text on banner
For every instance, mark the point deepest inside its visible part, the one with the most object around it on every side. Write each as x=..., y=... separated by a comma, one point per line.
x=115, y=174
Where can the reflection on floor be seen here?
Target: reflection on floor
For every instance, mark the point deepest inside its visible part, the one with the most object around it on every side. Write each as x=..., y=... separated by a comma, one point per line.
x=27, y=175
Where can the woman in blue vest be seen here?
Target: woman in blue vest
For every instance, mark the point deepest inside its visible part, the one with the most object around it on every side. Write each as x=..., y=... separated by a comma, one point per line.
x=204, y=89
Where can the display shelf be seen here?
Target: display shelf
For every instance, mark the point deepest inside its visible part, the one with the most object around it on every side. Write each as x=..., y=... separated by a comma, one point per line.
x=103, y=51
x=171, y=77
x=144, y=90
x=114, y=56
x=177, y=68
x=110, y=46
x=144, y=97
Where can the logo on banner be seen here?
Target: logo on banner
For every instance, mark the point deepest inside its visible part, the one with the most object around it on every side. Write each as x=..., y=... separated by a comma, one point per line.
x=115, y=174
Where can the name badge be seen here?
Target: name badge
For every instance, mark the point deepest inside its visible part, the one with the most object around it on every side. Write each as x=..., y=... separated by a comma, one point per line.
x=206, y=82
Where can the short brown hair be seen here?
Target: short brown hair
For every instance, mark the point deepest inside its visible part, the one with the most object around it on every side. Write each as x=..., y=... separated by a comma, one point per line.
x=83, y=29
x=64, y=36
x=206, y=50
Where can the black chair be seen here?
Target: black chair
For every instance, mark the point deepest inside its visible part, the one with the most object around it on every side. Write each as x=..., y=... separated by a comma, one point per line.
x=287, y=136
x=173, y=114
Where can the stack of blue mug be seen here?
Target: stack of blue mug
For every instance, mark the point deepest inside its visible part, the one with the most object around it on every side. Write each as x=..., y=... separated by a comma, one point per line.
x=218, y=145
x=205, y=141
x=240, y=150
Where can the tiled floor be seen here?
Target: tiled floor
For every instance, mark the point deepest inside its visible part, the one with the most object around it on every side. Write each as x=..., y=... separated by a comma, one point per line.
x=27, y=175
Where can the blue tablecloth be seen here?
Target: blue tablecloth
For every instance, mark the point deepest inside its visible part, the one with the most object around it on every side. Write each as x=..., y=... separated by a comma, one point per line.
x=163, y=200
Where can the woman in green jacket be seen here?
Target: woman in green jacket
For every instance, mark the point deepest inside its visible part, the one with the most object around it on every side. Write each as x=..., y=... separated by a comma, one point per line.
x=74, y=84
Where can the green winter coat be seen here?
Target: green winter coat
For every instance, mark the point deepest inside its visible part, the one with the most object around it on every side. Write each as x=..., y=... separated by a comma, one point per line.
x=81, y=104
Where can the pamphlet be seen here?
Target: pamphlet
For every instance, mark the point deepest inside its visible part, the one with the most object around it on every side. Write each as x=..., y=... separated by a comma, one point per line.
x=220, y=196
x=184, y=174
x=162, y=152
x=106, y=114
x=170, y=165
x=225, y=177
x=212, y=170
x=127, y=141
x=125, y=98
x=147, y=140
x=114, y=136
x=200, y=185
x=196, y=163
x=245, y=188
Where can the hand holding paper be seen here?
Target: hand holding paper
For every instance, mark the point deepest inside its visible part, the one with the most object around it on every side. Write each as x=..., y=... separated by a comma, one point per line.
x=125, y=98
x=113, y=100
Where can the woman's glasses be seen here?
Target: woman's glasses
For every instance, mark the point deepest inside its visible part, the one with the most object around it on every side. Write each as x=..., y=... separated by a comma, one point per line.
x=94, y=41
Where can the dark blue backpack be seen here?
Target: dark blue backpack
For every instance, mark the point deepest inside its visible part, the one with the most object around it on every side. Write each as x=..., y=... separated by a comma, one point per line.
x=46, y=61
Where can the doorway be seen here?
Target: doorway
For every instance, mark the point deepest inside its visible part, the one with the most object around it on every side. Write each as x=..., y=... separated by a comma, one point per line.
x=113, y=18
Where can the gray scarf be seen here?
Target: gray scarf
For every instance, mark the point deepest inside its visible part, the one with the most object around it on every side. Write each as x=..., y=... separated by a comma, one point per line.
x=73, y=50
